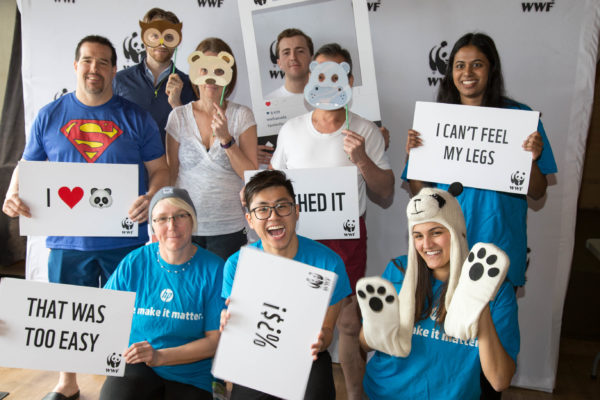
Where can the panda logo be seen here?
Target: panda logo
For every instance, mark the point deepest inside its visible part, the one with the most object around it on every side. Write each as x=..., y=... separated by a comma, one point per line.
x=328, y=87
x=126, y=223
x=349, y=225
x=517, y=178
x=315, y=280
x=101, y=198
x=113, y=360
x=133, y=48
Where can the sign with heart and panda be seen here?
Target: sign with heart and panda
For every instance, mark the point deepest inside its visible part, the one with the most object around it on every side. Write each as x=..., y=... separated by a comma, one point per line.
x=78, y=199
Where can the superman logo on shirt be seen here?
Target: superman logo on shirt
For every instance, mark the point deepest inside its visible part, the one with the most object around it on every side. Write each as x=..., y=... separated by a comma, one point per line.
x=91, y=137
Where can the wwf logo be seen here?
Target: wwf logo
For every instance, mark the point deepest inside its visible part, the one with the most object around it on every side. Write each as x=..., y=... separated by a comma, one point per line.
x=517, y=178
x=349, y=225
x=260, y=2
x=273, y=52
x=60, y=93
x=315, y=280
x=438, y=58
x=113, y=360
x=127, y=224
x=166, y=295
x=133, y=49
x=537, y=6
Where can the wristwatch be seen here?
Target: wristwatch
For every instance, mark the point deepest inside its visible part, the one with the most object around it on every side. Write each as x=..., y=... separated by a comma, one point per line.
x=229, y=144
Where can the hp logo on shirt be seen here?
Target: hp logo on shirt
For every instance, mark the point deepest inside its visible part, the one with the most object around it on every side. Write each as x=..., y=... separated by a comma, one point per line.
x=166, y=295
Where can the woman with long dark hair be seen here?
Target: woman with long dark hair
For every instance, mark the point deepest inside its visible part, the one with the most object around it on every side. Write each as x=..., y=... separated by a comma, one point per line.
x=474, y=77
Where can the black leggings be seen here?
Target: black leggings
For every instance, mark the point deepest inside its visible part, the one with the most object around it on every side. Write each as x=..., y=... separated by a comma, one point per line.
x=320, y=384
x=141, y=382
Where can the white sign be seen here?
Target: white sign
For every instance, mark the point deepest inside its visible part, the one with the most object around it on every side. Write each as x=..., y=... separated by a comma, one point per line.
x=69, y=328
x=328, y=200
x=277, y=308
x=347, y=24
x=479, y=147
x=78, y=199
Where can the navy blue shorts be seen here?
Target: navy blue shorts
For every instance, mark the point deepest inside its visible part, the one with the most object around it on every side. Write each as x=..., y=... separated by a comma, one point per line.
x=84, y=268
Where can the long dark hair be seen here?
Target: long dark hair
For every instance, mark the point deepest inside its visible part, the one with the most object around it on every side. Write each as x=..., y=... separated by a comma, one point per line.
x=494, y=95
x=424, y=296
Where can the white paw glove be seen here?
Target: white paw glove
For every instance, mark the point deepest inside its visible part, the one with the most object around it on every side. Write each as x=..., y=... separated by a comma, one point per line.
x=482, y=273
x=379, y=306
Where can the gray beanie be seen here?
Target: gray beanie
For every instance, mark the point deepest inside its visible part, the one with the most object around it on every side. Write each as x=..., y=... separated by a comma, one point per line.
x=165, y=193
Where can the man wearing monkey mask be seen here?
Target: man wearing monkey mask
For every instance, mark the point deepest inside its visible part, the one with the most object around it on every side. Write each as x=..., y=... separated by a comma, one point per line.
x=154, y=84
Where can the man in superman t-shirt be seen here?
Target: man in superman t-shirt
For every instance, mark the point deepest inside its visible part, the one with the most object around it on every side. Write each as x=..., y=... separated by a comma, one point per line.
x=92, y=125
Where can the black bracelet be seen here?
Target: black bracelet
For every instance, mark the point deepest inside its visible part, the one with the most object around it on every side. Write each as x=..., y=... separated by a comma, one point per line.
x=229, y=144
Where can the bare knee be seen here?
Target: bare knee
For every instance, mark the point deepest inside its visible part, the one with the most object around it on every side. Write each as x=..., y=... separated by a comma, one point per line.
x=348, y=322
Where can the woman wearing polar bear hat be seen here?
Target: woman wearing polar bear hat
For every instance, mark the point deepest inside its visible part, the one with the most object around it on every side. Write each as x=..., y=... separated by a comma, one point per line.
x=436, y=336
x=210, y=143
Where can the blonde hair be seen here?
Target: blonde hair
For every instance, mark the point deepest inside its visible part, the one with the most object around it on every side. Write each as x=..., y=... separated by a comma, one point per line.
x=184, y=206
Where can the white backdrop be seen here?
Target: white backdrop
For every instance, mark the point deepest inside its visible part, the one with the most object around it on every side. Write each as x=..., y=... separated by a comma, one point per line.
x=548, y=52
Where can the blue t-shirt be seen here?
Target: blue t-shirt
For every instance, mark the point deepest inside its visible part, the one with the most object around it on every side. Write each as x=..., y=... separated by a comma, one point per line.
x=309, y=252
x=500, y=217
x=135, y=84
x=116, y=132
x=438, y=366
x=173, y=309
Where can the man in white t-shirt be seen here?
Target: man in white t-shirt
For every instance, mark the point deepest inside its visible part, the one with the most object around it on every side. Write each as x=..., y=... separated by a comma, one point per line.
x=319, y=139
x=294, y=53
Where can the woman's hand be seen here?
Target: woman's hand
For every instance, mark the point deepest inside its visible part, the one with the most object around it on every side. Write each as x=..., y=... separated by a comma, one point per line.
x=224, y=317
x=142, y=352
x=534, y=144
x=413, y=140
x=316, y=347
x=219, y=125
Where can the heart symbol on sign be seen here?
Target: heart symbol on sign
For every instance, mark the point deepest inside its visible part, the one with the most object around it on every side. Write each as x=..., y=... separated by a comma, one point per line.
x=268, y=103
x=70, y=197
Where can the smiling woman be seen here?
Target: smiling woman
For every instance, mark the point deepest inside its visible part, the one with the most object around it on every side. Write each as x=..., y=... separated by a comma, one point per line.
x=420, y=359
x=169, y=356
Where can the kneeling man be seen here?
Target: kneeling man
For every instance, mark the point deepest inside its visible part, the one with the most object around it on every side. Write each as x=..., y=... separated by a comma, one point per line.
x=273, y=214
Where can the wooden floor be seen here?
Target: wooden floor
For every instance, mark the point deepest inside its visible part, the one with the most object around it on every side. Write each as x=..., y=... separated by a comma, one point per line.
x=573, y=379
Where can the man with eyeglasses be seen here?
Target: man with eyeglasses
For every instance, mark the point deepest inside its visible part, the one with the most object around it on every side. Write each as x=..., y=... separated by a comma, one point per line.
x=272, y=213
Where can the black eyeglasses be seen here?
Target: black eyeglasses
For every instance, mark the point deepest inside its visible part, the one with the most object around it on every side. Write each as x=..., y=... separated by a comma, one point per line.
x=177, y=218
x=281, y=209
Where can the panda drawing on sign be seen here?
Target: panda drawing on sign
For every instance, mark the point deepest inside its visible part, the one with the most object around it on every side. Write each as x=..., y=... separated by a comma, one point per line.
x=328, y=87
x=101, y=198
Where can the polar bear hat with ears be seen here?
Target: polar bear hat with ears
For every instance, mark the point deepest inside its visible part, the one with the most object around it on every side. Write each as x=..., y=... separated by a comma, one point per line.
x=441, y=206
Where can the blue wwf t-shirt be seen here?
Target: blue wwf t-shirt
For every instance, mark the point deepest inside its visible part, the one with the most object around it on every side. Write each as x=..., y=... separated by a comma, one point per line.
x=117, y=132
x=439, y=366
x=310, y=253
x=173, y=309
x=499, y=217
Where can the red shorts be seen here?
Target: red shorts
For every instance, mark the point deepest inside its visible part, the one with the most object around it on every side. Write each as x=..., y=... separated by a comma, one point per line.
x=353, y=253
